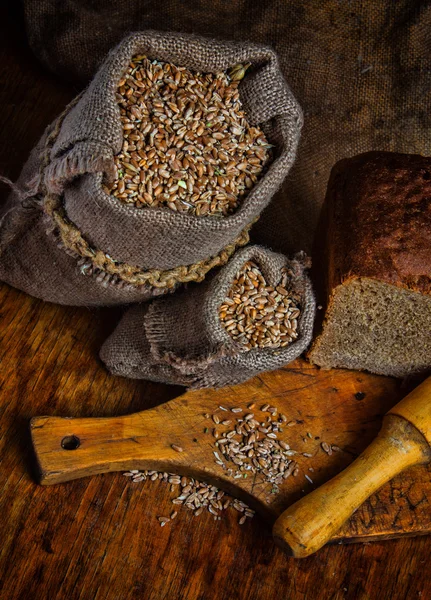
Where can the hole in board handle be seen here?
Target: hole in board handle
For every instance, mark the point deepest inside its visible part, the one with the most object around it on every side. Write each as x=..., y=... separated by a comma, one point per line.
x=70, y=442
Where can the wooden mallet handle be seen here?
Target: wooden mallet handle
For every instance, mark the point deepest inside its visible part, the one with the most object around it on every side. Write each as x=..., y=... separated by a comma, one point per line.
x=404, y=441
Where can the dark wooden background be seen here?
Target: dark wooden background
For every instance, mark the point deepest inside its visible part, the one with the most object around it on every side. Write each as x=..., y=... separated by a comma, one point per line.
x=98, y=538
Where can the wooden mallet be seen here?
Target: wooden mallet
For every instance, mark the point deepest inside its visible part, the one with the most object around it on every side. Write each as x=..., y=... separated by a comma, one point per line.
x=68, y=448
x=404, y=441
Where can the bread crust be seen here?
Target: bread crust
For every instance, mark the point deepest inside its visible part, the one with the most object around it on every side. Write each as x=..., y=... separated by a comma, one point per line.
x=379, y=220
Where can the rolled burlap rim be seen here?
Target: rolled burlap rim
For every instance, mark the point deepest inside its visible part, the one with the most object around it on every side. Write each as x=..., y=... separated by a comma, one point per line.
x=122, y=245
x=95, y=261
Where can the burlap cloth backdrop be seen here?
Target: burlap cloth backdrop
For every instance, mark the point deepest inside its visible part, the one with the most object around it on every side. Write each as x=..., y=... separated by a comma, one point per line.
x=361, y=70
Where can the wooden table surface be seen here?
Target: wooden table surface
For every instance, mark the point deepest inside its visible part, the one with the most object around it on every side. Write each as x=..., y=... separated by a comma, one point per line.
x=99, y=537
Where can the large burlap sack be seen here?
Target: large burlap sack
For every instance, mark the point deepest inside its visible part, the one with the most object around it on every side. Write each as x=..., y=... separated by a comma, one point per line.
x=118, y=253
x=180, y=339
x=359, y=68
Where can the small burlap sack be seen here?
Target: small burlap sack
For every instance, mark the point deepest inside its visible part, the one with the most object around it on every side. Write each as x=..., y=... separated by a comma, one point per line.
x=180, y=339
x=112, y=253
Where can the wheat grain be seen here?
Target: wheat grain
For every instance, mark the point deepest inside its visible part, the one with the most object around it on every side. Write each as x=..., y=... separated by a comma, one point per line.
x=187, y=144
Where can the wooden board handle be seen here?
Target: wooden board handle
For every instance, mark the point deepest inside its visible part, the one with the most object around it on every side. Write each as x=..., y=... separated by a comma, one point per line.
x=310, y=523
x=68, y=448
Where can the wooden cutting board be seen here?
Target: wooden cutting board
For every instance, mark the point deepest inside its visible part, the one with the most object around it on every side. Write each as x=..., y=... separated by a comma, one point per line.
x=338, y=408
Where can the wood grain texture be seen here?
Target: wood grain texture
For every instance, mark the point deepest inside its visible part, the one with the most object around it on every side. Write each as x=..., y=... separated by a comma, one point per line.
x=98, y=538
x=308, y=399
x=304, y=527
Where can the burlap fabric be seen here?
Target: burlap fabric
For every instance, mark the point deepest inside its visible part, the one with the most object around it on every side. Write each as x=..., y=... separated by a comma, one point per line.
x=180, y=339
x=117, y=244
x=359, y=68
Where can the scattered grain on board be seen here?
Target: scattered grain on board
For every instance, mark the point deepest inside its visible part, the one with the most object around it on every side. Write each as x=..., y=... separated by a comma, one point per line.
x=252, y=447
x=257, y=315
x=326, y=448
x=243, y=446
x=176, y=448
x=187, y=144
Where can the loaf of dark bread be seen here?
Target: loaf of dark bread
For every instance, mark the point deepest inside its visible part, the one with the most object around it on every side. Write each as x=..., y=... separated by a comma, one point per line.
x=378, y=266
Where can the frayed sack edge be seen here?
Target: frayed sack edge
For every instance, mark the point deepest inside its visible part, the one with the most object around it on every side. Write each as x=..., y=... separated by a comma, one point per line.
x=197, y=371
